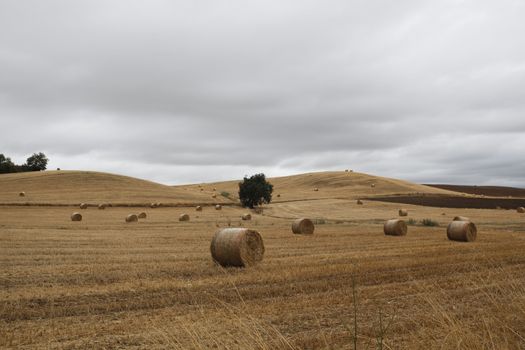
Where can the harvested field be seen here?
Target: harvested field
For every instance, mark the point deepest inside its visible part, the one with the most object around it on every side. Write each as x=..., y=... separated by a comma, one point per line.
x=101, y=283
x=454, y=201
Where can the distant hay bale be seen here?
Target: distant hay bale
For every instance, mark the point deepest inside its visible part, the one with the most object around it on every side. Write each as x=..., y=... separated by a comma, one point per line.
x=214, y=189
x=142, y=215
x=153, y=205
x=76, y=217
x=198, y=208
x=83, y=205
x=159, y=204
x=520, y=210
x=214, y=195
x=202, y=189
x=58, y=169
x=218, y=207
x=102, y=206
x=463, y=231
x=460, y=218
x=395, y=227
x=360, y=202
x=316, y=189
x=184, y=217
x=237, y=247
x=303, y=226
x=132, y=218
x=403, y=212
x=346, y=170
x=278, y=195
x=22, y=194
x=246, y=217
x=373, y=185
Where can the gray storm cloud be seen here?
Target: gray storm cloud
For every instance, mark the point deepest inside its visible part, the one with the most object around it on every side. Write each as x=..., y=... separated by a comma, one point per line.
x=196, y=91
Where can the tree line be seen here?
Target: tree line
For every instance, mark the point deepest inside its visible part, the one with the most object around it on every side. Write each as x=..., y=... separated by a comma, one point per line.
x=36, y=162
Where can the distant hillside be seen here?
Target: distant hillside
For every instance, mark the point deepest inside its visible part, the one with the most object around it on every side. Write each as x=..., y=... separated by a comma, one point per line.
x=493, y=191
x=69, y=187
x=334, y=184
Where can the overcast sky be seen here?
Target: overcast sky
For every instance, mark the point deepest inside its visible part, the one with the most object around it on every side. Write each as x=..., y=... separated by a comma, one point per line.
x=193, y=91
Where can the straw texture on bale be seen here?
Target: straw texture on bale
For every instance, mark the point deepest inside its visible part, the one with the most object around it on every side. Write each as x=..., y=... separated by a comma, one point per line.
x=218, y=207
x=463, y=231
x=303, y=226
x=247, y=216
x=198, y=208
x=395, y=227
x=76, y=217
x=184, y=217
x=22, y=194
x=83, y=205
x=403, y=212
x=142, y=215
x=132, y=218
x=360, y=202
x=237, y=247
x=102, y=206
x=461, y=218
x=520, y=210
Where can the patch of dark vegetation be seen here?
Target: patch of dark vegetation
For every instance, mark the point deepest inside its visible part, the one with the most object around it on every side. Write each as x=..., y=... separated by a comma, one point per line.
x=494, y=191
x=454, y=201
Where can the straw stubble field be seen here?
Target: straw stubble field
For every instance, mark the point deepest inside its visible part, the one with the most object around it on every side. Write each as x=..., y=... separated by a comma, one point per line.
x=102, y=283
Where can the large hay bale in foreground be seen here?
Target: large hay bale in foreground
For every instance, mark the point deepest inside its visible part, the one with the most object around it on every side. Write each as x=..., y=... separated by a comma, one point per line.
x=83, y=205
x=395, y=227
x=246, y=217
x=132, y=218
x=460, y=218
x=303, y=226
x=142, y=215
x=102, y=206
x=520, y=210
x=76, y=217
x=184, y=217
x=237, y=247
x=403, y=212
x=22, y=194
x=218, y=207
x=463, y=231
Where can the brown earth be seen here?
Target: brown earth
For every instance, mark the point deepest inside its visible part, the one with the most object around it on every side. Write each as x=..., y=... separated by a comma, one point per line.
x=454, y=201
x=493, y=191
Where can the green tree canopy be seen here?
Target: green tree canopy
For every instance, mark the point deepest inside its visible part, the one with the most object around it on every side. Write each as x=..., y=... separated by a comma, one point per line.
x=255, y=190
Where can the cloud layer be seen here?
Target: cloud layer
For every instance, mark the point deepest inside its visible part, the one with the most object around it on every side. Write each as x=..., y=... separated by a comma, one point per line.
x=195, y=91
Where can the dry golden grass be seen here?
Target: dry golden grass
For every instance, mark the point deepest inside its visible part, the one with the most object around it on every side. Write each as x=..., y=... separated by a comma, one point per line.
x=102, y=284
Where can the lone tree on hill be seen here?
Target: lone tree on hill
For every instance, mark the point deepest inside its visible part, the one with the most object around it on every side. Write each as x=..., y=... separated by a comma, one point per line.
x=255, y=190
x=37, y=162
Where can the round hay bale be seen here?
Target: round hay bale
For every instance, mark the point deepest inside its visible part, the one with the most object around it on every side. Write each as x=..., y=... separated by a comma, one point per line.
x=246, y=217
x=359, y=202
x=403, y=212
x=346, y=170
x=159, y=204
x=153, y=205
x=214, y=195
x=460, y=218
x=83, y=205
x=373, y=185
x=237, y=247
x=132, y=218
x=303, y=226
x=214, y=189
x=76, y=217
x=316, y=189
x=278, y=195
x=102, y=206
x=22, y=194
x=520, y=210
x=142, y=215
x=395, y=227
x=218, y=207
x=463, y=231
x=202, y=189
x=184, y=217
x=58, y=169
x=198, y=208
